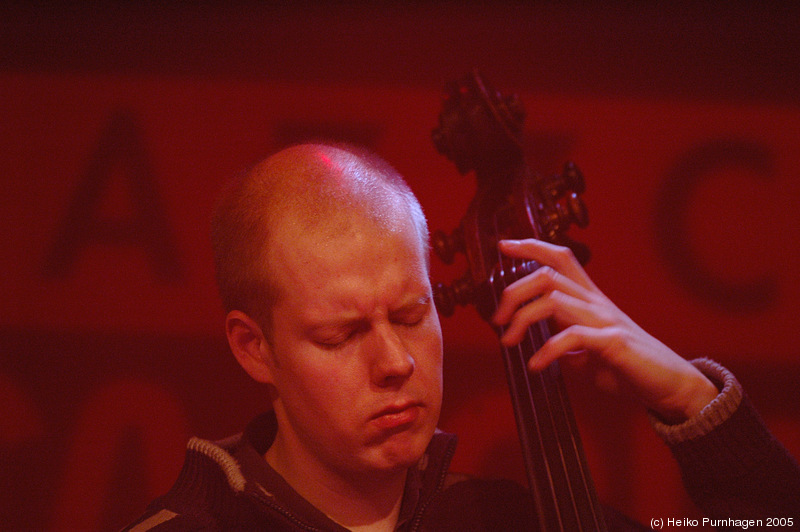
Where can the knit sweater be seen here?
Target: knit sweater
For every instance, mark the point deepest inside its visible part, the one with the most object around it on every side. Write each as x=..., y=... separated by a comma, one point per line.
x=732, y=467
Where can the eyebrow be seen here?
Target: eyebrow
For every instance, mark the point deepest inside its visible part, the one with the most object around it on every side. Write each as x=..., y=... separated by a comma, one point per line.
x=356, y=320
x=424, y=301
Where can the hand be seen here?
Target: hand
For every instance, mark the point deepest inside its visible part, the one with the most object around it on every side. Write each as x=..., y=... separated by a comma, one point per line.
x=595, y=333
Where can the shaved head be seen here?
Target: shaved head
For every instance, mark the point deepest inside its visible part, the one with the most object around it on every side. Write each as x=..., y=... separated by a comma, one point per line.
x=311, y=189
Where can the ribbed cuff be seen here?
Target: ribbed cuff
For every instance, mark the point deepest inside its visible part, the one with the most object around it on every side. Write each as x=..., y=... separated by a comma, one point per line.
x=713, y=414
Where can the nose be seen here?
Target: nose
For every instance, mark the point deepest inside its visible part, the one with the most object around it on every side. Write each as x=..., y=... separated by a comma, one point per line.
x=391, y=364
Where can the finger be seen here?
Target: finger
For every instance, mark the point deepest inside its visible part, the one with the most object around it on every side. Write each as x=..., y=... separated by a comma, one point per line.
x=574, y=340
x=564, y=308
x=578, y=360
x=559, y=258
x=532, y=286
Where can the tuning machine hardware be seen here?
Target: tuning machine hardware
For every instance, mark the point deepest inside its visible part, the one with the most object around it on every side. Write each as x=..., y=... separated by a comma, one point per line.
x=461, y=292
x=446, y=246
x=561, y=204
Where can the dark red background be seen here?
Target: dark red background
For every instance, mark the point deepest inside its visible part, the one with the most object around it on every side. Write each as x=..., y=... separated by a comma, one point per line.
x=683, y=117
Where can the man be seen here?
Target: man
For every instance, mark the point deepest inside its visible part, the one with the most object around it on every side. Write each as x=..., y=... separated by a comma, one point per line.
x=322, y=263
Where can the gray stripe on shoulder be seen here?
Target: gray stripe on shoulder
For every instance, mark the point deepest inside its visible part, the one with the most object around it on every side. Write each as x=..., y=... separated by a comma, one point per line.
x=226, y=462
x=153, y=521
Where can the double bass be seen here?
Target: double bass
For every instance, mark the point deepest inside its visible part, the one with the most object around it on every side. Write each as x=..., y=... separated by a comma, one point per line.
x=481, y=131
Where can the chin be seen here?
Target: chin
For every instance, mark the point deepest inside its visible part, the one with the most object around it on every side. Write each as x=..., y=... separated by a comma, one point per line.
x=404, y=450
x=396, y=463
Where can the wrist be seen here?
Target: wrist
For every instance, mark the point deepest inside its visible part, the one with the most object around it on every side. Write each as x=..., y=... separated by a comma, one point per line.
x=693, y=393
x=702, y=394
x=714, y=414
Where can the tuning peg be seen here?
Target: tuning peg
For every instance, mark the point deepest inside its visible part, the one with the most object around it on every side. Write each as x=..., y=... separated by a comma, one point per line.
x=570, y=180
x=446, y=246
x=558, y=217
x=576, y=211
x=461, y=292
x=573, y=178
x=443, y=299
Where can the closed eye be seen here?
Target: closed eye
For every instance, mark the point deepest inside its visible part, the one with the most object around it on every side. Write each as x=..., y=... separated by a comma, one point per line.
x=329, y=346
x=334, y=343
x=338, y=337
x=411, y=316
x=411, y=321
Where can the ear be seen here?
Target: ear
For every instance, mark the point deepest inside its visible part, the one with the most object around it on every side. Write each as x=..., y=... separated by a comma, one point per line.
x=249, y=345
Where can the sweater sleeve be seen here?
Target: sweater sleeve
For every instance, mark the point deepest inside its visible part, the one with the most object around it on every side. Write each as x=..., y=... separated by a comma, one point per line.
x=732, y=467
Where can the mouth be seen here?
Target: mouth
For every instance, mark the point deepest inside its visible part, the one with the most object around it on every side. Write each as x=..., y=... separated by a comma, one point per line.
x=397, y=415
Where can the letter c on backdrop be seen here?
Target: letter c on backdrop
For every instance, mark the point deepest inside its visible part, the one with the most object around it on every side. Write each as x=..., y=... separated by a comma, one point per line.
x=672, y=231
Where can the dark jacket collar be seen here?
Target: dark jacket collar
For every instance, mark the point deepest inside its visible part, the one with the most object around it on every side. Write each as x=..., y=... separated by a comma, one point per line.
x=422, y=483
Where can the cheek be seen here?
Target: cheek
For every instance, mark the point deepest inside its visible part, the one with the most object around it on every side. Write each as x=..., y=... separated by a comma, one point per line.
x=320, y=381
x=434, y=337
x=429, y=350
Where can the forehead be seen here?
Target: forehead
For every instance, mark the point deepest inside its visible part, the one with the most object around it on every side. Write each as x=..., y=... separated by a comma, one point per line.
x=310, y=183
x=358, y=260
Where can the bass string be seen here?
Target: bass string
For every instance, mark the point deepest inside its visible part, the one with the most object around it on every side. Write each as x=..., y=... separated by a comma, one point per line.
x=555, y=399
x=584, y=477
x=578, y=477
x=520, y=359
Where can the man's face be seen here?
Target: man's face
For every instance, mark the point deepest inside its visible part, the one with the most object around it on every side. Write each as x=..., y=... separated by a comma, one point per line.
x=356, y=349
